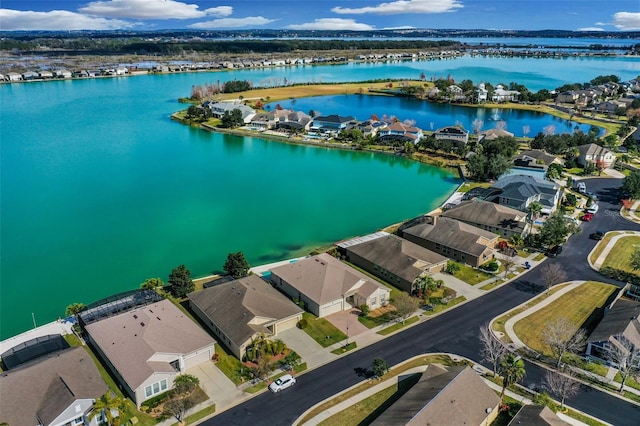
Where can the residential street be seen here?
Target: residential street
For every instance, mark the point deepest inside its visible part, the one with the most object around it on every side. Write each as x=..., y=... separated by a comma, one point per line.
x=454, y=332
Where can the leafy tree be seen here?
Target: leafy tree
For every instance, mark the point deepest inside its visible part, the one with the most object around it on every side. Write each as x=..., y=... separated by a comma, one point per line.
x=379, y=367
x=106, y=406
x=185, y=384
x=232, y=119
x=405, y=306
x=180, y=281
x=635, y=258
x=562, y=336
x=152, y=284
x=534, y=210
x=631, y=184
x=517, y=241
x=512, y=371
x=491, y=349
x=557, y=228
x=554, y=171
x=562, y=385
x=74, y=309
x=452, y=268
x=236, y=265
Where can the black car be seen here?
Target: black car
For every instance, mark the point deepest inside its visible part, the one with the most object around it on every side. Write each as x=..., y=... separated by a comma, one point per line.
x=598, y=235
x=554, y=251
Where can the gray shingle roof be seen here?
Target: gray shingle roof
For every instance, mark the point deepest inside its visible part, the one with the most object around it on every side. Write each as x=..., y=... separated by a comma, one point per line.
x=622, y=319
x=442, y=396
x=233, y=306
x=536, y=415
x=454, y=234
x=489, y=214
x=44, y=388
x=129, y=340
x=397, y=255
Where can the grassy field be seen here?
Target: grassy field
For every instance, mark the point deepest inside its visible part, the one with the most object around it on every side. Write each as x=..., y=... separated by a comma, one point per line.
x=597, y=250
x=578, y=306
x=620, y=256
x=322, y=331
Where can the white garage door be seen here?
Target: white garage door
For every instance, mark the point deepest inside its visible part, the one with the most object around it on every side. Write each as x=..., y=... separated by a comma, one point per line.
x=197, y=358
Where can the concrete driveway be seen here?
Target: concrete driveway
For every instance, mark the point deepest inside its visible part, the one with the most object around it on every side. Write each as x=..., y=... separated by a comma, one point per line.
x=347, y=322
x=308, y=349
x=222, y=391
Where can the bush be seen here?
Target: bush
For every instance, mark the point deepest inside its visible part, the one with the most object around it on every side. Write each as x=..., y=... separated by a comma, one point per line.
x=620, y=275
x=302, y=324
x=491, y=266
x=364, y=308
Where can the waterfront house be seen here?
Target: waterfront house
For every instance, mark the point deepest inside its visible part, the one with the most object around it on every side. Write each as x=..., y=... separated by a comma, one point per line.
x=326, y=286
x=491, y=134
x=535, y=159
x=536, y=415
x=592, y=153
x=218, y=109
x=146, y=347
x=518, y=191
x=399, y=133
x=370, y=127
x=620, y=328
x=13, y=76
x=453, y=134
x=332, y=123
x=444, y=396
x=501, y=94
x=482, y=94
x=240, y=311
x=454, y=239
x=492, y=217
x=392, y=259
x=59, y=388
x=567, y=97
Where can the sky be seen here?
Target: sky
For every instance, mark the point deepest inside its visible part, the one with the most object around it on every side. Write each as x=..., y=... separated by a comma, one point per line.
x=348, y=15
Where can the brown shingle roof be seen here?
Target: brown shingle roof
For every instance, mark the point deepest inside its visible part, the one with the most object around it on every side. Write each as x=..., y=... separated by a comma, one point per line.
x=44, y=388
x=536, y=415
x=443, y=396
x=488, y=214
x=234, y=305
x=131, y=339
x=322, y=278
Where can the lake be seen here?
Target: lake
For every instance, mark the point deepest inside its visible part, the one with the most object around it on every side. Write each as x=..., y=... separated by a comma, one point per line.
x=101, y=190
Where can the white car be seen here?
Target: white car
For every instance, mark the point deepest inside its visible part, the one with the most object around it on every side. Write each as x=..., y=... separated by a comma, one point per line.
x=282, y=382
x=593, y=209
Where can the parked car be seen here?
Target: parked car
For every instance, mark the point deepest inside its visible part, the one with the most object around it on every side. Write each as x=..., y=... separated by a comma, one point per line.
x=554, y=251
x=582, y=187
x=587, y=217
x=593, y=209
x=282, y=382
x=598, y=235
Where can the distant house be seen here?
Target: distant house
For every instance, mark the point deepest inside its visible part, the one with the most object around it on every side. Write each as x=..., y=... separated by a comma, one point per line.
x=57, y=389
x=454, y=239
x=482, y=94
x=592, y=153
x=534, y=159
x=453, y=134
x=218, y=109
x=399, y=132
x=518, y=191
x=536, y=415
x=147, y=347
x=326, y=286
x=501, y=94
x=492, y=134
x=491, y=217
x=620, y=325
x=239, y=311
x=13, y=76
x=568, y=97
x=444, y=396
x=370, y=127
x=284, y=118
x=393, y=259
x=332, y=122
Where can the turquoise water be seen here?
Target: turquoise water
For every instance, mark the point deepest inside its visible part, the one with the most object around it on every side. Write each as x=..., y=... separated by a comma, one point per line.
x=101, y=190
x=431, y=116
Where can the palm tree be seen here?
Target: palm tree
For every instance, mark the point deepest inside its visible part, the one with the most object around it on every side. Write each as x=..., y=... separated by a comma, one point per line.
x=534, y=209
x=107, y=405
x=74, y=309
x=512, y=371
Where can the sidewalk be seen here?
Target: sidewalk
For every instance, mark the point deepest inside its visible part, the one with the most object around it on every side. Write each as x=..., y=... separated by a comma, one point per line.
x=610, y=245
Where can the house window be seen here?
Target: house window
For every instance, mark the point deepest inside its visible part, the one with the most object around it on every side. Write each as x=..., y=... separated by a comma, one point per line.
x=78, y=421
x=155, y=388
x=383, y=299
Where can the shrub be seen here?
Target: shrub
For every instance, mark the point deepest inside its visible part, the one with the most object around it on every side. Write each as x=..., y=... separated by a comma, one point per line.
x=302, y=324
x=364, y=308
x=452, y=268
x=491, y=266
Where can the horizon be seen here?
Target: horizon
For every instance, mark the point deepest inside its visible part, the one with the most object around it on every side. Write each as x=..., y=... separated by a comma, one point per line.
x=592, y=16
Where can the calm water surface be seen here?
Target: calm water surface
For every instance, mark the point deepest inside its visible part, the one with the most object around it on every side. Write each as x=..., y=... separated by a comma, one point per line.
x=100, y=190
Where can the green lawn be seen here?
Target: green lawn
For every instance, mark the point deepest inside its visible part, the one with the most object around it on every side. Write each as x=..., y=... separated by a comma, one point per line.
x=345, y=348
x=470, y=185
x=193, y=418
x=630, y=381
x=578, y=306
x=597, y=250
x=397, y=326
x=440, y=308
x=620, y=256
x=322, y=331
x=471, y=275
x=229, y=365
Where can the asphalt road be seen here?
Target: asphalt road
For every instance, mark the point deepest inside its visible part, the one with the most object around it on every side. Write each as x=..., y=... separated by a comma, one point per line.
x=454, y=332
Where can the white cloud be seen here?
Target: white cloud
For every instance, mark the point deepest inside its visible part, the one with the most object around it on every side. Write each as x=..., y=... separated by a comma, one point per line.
x=151, y=9
x=249, y=21
x=332, y=24
x=590, y=29
x=600, y=23
x=15, y=20
x=627, y=21
x=404, y=6
x=406, y=27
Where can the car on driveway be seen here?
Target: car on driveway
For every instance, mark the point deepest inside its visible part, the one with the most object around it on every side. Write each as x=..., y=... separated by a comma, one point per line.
x=554, y=251
x=282, y=382
x=598, y=235
x=587, y=217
